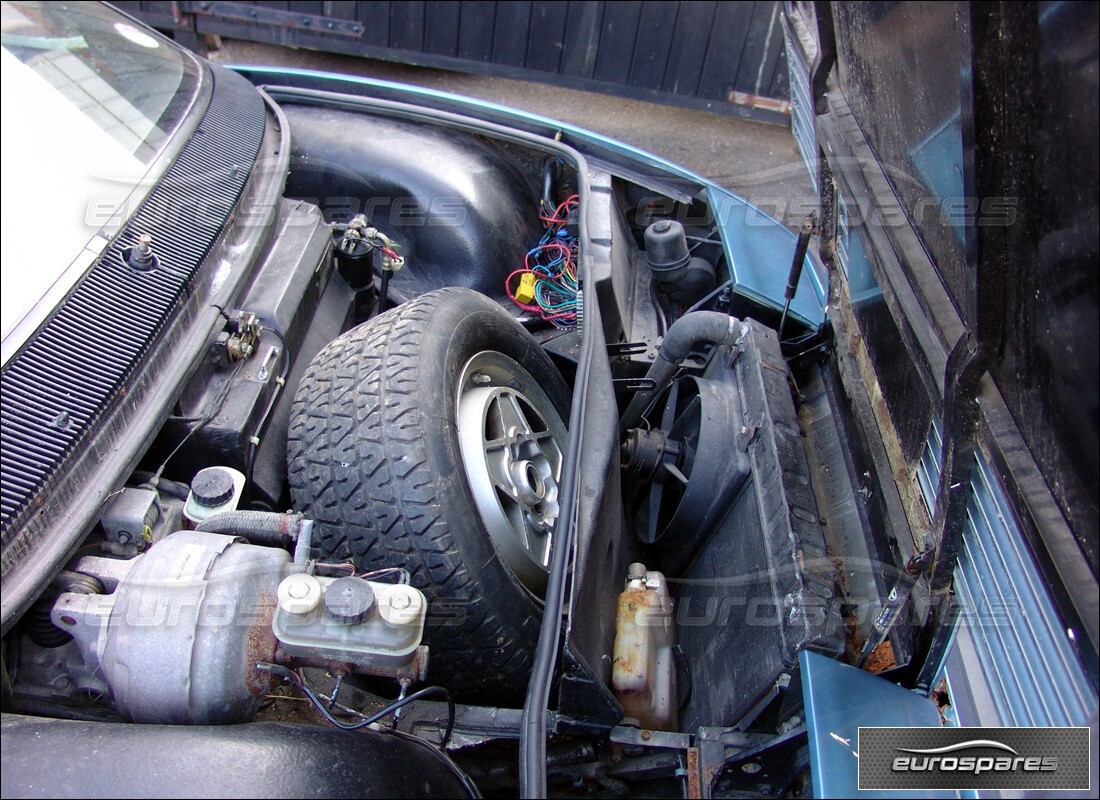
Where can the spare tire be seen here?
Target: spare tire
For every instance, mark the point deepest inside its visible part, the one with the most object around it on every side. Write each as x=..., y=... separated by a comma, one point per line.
x=431, y=438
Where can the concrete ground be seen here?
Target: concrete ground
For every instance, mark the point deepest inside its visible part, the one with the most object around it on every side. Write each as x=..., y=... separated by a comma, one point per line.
x=757, y=161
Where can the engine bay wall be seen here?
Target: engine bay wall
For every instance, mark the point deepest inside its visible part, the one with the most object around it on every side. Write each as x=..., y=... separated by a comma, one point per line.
x=460, y=212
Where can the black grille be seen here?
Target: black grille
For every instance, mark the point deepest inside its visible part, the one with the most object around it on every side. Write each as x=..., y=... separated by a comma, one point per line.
x=56, y=389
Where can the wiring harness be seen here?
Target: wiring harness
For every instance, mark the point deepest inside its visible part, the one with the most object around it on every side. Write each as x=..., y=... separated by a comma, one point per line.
x=326, y=703
x=547, y=283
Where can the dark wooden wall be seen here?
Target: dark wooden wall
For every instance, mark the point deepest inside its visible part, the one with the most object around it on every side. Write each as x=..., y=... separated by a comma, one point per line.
x=720, y=56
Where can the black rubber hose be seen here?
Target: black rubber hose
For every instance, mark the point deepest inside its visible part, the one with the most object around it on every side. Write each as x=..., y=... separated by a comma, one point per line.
x=686, y=332
x=259, y=527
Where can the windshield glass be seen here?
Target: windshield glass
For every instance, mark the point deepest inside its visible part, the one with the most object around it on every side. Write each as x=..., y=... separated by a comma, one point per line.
x=127, y=82
x=89, y=99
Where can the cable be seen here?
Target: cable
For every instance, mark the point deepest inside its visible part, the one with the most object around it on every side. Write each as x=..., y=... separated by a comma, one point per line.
x=201, y=421
x=401, y=572
x=547, y=283
x=323, y=709
x=662, y=315
x=403, y=576
x=384, y=291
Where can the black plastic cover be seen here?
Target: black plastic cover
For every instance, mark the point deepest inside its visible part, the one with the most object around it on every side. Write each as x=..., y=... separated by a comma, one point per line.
x=61, y=758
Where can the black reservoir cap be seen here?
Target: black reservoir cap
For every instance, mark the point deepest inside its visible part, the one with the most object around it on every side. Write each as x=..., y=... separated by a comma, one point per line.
x=666, y=247
x=212, y=486
x=349, y=600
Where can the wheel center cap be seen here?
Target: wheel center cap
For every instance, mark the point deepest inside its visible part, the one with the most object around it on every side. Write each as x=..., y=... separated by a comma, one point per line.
x=529, y=481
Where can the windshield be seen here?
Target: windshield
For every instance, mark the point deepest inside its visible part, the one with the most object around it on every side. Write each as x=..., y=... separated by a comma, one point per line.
x=89, y=101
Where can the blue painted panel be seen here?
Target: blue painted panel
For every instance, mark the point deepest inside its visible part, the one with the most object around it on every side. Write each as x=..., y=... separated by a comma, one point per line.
x=841, y=698
x=759, y=252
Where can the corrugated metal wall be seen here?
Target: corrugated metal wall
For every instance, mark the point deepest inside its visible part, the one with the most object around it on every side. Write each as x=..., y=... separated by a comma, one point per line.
x=719, y=56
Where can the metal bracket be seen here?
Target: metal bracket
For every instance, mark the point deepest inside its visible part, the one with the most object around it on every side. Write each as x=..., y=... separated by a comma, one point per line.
x=275, y=17
x=636, y=384
x=618, y=349
x=715, y=746
x=640, y=737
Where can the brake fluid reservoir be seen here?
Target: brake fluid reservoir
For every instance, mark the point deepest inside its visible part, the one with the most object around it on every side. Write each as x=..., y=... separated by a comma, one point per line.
x=214, y=490
x=377, y=627
x=643, y=675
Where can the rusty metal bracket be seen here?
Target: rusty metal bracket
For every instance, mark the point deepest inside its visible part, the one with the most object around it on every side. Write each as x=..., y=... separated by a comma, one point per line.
x=695, y=781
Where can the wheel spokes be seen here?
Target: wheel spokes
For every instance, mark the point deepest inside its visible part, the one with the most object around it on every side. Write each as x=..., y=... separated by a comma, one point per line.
x=510, y=440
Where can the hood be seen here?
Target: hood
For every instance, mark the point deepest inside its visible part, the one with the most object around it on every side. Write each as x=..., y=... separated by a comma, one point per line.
x=954, y=147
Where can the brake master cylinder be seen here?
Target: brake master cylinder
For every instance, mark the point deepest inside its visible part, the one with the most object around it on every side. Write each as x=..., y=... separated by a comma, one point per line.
x=185, y=631
x=643, y=675
x=376, y=626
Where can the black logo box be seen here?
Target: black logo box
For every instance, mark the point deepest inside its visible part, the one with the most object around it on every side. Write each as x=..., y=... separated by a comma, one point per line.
x=974, y=758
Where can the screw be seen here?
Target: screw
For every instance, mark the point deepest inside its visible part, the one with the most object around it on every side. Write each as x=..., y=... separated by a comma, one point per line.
x=647, y=735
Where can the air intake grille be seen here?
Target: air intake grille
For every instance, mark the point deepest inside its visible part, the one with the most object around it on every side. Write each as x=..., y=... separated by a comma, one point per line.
x=1029, y=668
x=802, y=108
x=57, y=388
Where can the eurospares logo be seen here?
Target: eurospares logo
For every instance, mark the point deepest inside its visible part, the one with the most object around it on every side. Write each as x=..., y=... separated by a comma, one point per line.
x=974, y=758
x=953, y=758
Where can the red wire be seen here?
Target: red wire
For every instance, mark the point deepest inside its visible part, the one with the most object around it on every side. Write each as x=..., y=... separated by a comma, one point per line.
x=566, y=254
x=560, y=215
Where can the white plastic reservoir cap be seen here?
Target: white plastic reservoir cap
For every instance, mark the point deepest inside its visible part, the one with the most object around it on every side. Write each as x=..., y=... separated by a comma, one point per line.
x=399, y=604
x=299, y=593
